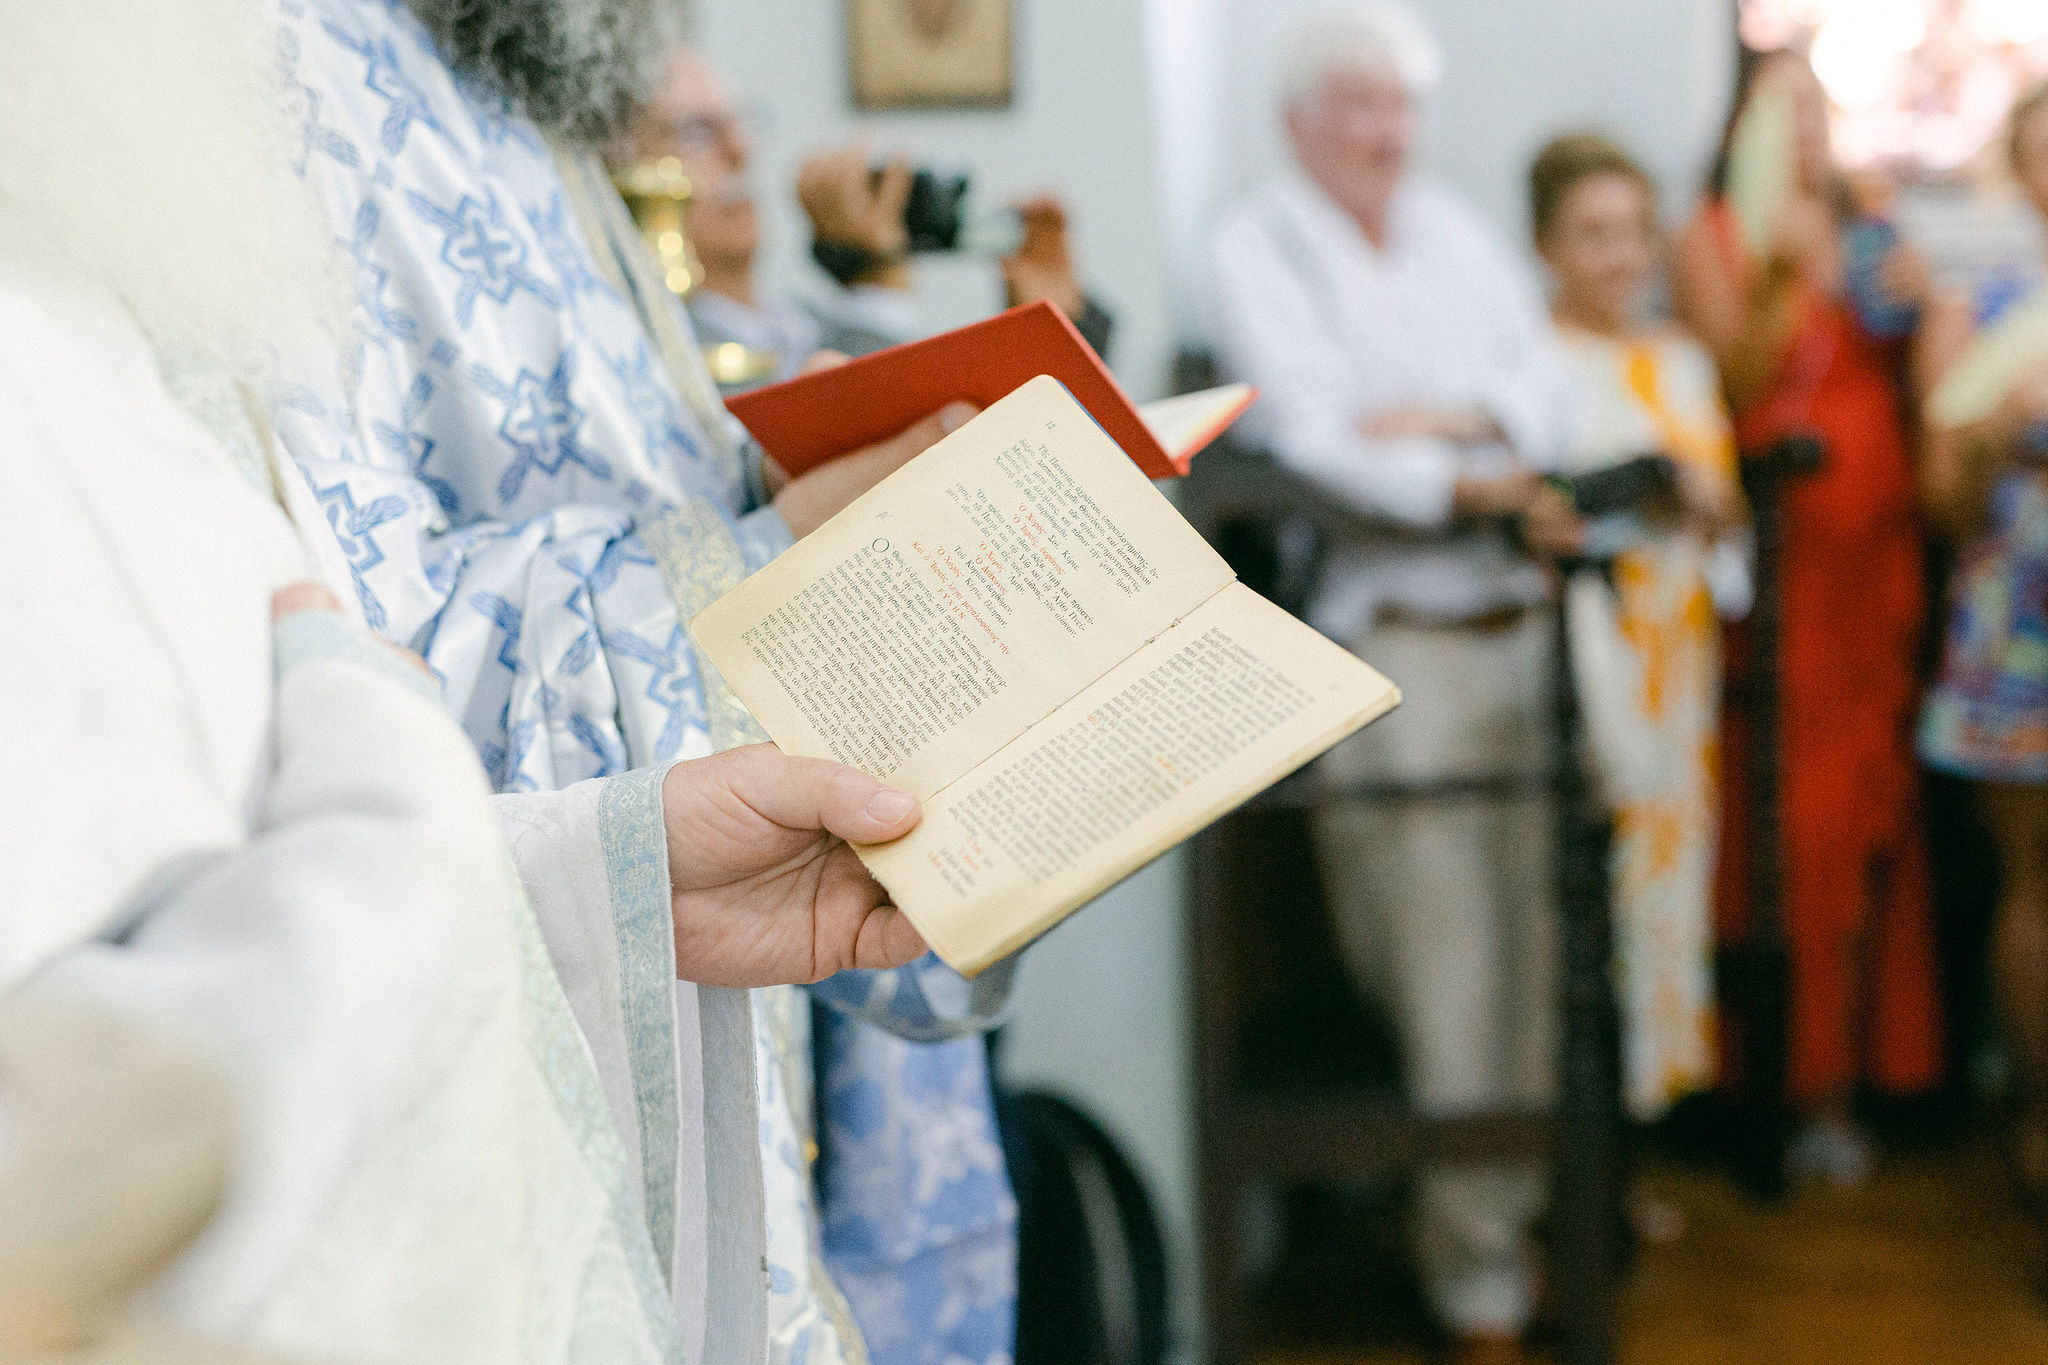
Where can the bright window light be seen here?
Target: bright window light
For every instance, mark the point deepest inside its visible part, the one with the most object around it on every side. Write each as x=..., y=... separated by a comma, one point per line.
x=1919, y=86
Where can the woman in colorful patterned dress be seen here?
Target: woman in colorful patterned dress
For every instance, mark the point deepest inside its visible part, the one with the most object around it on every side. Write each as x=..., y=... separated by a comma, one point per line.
x=1646, y=652
x=1985, y=481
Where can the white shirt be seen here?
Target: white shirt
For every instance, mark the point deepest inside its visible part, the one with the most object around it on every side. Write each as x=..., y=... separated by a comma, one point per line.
x=1335, y=331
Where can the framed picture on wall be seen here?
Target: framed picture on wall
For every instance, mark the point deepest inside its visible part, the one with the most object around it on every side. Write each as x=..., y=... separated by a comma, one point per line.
x=932, y=54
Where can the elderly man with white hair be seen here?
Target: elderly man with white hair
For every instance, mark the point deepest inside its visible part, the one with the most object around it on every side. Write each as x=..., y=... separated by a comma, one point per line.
x=1406, y=368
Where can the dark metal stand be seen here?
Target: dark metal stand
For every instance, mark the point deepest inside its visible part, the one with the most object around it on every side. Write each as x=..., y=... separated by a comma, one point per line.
x=1758, y=970
x=1590, y=1178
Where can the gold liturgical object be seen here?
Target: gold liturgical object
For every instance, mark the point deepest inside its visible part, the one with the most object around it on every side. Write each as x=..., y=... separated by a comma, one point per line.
x=656, y=194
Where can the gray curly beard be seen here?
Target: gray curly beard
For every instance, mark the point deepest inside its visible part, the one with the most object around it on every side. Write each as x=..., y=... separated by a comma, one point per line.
x=575, y=67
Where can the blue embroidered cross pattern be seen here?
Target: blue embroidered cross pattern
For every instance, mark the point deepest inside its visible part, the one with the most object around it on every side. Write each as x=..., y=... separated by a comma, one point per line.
x=651, y=400
x=384, y=76
x=373, y=280
x=541, y=424
x=485, y=254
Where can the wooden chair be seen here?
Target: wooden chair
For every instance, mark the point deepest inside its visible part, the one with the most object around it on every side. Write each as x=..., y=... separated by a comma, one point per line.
x=1286, y=1089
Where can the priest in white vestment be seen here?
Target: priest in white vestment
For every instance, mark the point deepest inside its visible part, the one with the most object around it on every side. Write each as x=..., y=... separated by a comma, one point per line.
x=537, y=488
x=238, y=818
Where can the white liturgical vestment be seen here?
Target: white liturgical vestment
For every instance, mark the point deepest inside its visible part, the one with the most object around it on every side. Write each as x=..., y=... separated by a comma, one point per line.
x=536, y=488
x=273, y=844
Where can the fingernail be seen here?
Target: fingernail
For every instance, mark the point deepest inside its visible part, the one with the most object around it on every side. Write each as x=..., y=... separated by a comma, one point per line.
x=890, y=805
x=954, y=416
x=302, y=596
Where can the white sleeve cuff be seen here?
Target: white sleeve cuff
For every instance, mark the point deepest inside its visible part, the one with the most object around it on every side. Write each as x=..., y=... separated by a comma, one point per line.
x=1411, y=481
x=762, y=535
x=890, y=314
x=593, y=858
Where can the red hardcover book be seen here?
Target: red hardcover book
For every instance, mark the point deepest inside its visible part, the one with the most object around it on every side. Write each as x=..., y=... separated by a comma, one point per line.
x=806, y=421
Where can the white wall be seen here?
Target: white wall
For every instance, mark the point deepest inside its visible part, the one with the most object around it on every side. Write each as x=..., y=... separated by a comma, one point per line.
x=1189, y=47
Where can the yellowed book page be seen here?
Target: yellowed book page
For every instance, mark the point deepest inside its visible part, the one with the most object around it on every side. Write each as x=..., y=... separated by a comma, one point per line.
x=1188, y=419
x=1234, y=697
x=963, y=597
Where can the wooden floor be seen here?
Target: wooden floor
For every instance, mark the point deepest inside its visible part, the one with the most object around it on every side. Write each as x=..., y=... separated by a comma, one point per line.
x=1928, y=1265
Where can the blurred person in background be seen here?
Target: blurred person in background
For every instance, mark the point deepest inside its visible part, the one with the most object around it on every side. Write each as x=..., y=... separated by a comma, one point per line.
x=856, y=215
x=1797, y=354
x=1646, y=647
x=1408, y=370
x=1985, y=477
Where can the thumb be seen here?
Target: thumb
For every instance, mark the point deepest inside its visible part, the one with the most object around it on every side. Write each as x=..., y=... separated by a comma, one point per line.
x=911, y=442
x=923, y=435
x=887, y=939
x=894, y=192
x=816, y=793
x=861, y=810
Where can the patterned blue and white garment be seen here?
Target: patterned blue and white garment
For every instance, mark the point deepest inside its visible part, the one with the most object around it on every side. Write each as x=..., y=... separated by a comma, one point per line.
x=535, y=486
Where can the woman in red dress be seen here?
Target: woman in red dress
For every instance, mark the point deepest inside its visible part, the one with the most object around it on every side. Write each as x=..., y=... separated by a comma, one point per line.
x=1795, y=355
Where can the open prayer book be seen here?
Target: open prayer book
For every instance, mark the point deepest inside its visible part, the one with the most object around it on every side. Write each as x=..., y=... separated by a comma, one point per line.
x=806, y=421
x=1020, y=629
